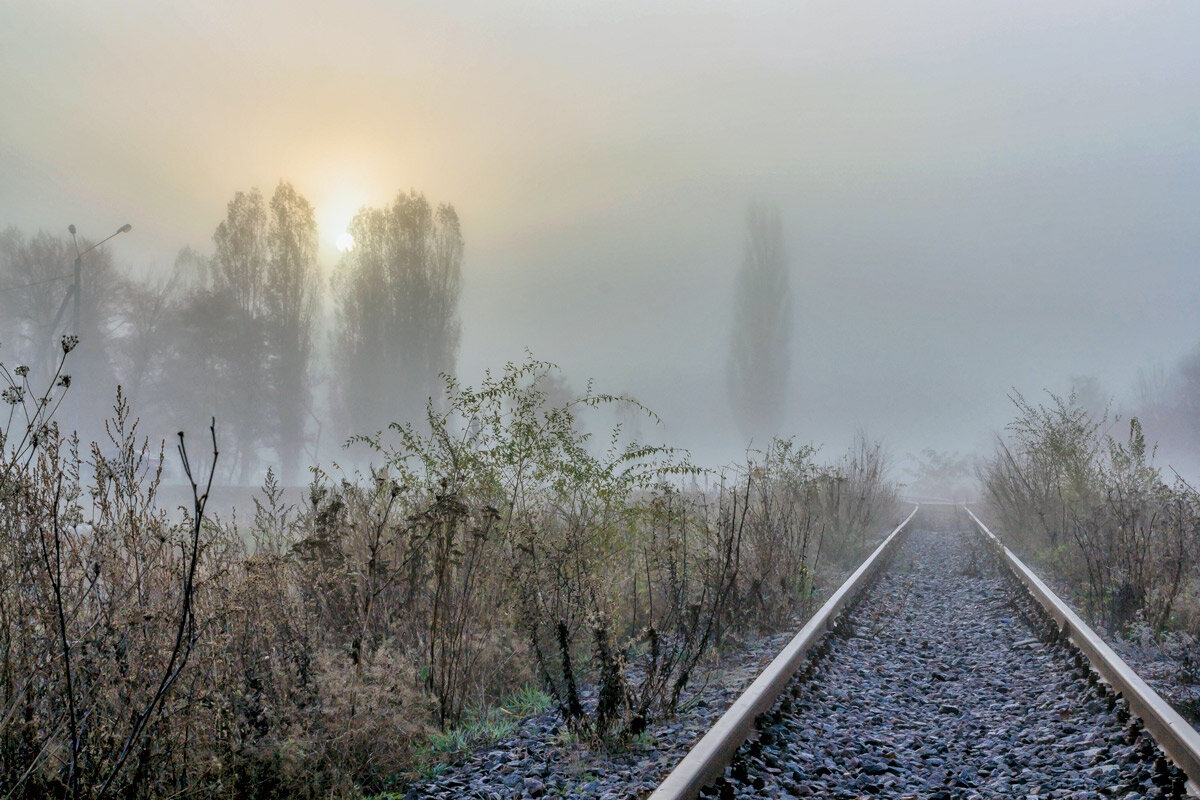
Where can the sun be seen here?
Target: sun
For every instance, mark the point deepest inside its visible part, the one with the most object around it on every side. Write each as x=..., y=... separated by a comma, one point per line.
x=345, y=242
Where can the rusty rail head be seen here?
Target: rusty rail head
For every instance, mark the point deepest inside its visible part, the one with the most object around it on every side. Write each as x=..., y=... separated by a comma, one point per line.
x=1174, y=735
x=707, y=759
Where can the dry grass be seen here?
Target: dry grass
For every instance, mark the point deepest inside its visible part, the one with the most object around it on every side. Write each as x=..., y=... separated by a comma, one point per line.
x=1099, y=513
x=319, y=653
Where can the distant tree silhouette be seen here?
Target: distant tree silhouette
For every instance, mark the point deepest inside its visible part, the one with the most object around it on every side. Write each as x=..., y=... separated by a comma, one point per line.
x=397, y=322
x=239, y=264
x=178, y=353
x=290, y=299
x=762, y=322
x=35, y=277
x=1187, y=397
x=210, y=372
x=244, y=329
x=141, y=352
x=234, y=310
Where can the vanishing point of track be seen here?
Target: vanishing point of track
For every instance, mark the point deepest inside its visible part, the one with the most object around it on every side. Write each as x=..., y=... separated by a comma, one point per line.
x=944, y=669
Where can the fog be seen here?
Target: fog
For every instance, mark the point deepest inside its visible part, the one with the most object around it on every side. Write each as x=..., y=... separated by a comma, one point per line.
x=973, y=198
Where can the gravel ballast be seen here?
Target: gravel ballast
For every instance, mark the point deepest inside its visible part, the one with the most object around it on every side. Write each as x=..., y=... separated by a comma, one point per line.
x=542, y=760
x=944, y=683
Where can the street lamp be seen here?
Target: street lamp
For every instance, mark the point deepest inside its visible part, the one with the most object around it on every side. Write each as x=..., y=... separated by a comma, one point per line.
x=77, y=289
x=74, y=291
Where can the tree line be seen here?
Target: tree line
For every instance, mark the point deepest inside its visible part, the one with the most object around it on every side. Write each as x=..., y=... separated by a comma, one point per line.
x=291, y=363
x=238, y=331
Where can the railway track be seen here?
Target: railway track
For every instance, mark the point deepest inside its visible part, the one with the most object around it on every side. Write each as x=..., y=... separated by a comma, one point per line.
x=954, y=674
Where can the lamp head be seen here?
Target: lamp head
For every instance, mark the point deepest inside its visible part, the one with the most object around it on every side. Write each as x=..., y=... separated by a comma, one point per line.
x=71, y=228
x=126, y=228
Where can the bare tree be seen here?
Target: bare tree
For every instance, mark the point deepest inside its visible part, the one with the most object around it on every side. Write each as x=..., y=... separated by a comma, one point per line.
x=34, y=278
x=762, y=323
x=397, y=311
x=35, y=282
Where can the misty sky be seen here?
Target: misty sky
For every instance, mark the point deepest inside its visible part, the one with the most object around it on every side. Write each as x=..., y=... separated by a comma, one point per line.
x=975, y=195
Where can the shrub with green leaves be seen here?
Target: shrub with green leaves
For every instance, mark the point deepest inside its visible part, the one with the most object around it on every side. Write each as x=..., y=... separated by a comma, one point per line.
x=500, y=477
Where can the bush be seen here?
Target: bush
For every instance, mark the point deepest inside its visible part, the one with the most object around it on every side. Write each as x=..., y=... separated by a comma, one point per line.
x=1096, y=510
x=98, y=610
x=319, y=649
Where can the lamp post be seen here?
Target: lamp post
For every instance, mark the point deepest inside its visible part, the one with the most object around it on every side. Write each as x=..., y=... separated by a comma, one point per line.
x=78, y=288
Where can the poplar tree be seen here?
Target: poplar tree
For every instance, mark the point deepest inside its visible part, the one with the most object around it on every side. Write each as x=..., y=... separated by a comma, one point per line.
x=757, y=370
x=290, y=301
x=255, y=315
x=396, y=296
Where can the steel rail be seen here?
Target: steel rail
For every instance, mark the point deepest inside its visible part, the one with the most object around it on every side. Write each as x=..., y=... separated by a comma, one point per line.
x=706, y=761
x=1174, y=735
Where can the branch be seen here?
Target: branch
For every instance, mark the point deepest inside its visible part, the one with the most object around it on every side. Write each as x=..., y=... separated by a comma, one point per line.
x=184, y=641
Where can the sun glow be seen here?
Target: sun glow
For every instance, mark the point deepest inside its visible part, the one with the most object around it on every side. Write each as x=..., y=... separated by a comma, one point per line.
x=344, y=242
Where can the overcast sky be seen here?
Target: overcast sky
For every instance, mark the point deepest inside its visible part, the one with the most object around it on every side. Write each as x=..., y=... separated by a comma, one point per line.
x=975, y=195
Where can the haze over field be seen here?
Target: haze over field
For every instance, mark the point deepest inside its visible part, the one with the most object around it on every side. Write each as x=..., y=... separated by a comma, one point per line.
x=973, y=197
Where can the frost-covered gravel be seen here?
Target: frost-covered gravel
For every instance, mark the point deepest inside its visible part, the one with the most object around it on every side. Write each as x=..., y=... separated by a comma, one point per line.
x=940, y=687
x=541, y=761
x=1169, y=663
